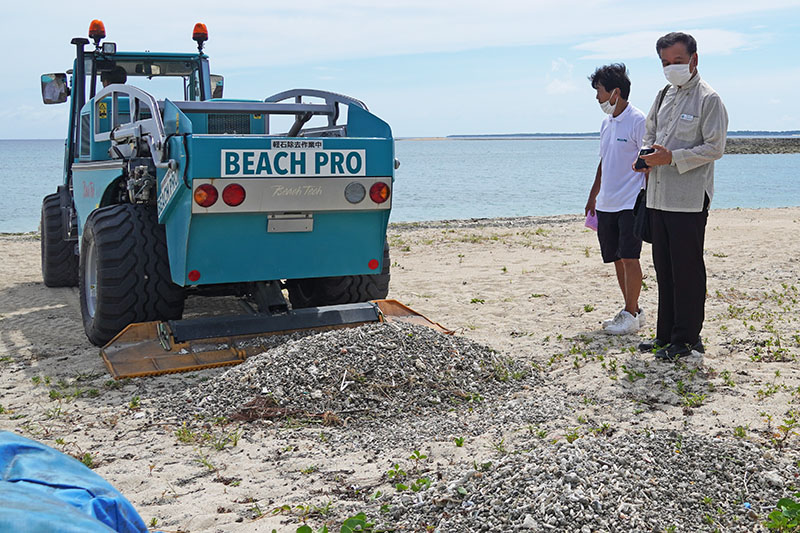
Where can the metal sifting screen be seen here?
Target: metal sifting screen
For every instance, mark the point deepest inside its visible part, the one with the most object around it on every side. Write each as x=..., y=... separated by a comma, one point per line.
x=228, y=123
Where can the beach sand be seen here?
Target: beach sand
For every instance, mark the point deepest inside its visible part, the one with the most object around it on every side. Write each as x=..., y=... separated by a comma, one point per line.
x=534, y=289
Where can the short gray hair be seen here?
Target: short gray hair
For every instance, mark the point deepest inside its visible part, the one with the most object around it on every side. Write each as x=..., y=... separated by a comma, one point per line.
x=676, y=37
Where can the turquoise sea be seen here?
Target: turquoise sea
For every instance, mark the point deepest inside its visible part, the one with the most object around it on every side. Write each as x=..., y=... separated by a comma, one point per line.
x=448, y=179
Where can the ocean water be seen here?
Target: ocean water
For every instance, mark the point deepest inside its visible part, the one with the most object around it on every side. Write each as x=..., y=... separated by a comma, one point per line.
x=448, y=179
x=440, y=180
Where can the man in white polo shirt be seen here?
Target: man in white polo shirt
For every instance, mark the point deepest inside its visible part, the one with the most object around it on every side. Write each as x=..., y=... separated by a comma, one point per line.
x=614, y=191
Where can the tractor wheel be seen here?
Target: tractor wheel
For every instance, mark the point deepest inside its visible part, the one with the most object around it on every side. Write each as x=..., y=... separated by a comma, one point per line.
x=59, y=261
x=124, y=272
x=313, y=292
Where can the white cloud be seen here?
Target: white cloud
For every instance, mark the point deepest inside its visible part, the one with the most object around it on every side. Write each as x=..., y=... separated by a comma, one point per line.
x=556, y=87
x=247, y=34
x=559, y=80
x=248, y=38
x=643, y=43
x=561, y=65
x=38, y=114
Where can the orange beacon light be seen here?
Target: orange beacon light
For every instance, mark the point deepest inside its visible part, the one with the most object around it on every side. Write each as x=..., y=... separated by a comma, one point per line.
x=200, y=35
x=97, y=31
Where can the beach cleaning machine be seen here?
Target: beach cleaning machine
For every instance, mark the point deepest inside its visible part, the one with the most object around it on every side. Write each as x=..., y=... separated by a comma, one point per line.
x=163, y=199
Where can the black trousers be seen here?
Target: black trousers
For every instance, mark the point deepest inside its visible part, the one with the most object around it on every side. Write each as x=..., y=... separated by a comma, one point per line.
x=678, y=259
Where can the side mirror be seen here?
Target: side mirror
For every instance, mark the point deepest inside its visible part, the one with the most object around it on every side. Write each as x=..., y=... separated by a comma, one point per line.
x=217, y=82
x=54, y=88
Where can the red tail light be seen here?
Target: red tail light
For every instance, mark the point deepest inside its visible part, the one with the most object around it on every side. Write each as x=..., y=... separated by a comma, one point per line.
x=379, y=192
x=205, y=195
x=233, y=194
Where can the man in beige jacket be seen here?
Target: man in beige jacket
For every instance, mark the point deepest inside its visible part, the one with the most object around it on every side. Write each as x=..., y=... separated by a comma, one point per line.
x=687, y=130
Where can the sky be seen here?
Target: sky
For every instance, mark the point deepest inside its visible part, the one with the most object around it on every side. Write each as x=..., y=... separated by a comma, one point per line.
x=428, y=67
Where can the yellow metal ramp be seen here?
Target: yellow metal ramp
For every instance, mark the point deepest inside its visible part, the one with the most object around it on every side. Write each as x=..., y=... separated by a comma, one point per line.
x=154, y=348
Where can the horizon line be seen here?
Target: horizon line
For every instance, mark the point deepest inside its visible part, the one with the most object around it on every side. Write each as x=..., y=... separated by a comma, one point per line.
x=767, y=133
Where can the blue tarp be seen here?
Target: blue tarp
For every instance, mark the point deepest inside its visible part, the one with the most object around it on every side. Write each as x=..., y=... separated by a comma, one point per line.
x=43, y=490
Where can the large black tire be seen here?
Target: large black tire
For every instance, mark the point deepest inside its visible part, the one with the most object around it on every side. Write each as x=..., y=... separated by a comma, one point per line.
x=59, y=261
x=124, y=272
x=314, y=292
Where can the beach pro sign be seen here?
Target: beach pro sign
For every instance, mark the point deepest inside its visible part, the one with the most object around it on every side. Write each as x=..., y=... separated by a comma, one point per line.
x=293, y=158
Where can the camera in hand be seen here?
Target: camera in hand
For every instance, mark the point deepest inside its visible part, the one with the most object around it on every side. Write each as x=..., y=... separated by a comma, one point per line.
x=640, y=164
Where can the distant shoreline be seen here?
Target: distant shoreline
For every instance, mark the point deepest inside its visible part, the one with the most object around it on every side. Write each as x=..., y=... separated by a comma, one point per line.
x=554, y=137
x=735, y=144
x=762, y=145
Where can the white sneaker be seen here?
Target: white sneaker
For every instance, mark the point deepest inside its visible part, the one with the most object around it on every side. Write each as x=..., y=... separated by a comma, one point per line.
x=626, y=324
x=640, y=316
x=614, y=320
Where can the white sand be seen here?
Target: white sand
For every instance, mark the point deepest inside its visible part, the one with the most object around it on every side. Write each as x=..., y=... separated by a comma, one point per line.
x=535, y=291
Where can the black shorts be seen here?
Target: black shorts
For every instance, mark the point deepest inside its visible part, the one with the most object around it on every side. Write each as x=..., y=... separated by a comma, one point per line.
x=615, y=233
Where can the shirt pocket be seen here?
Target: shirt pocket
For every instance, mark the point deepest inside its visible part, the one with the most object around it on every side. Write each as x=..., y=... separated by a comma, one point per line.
x=687, y=127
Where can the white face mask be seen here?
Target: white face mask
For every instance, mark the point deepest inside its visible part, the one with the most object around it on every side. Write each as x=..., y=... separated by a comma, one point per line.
x=607, y=106
x=677, y=74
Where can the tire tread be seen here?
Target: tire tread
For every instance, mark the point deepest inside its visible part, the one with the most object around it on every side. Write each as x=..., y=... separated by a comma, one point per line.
x=59, y=261
x=133, y=277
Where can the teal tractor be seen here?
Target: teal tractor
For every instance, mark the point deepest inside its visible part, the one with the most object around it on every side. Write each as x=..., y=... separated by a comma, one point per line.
x=199, y=195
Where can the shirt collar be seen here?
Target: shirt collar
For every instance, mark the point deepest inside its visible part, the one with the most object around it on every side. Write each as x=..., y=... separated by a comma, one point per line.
x=692, y=82
x=621, y=115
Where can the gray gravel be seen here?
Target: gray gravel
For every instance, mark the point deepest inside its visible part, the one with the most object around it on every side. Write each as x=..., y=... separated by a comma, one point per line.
x=383, y=388
x=635, y=482
x=373, y=371
x=499, y=222
x=762, y=145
